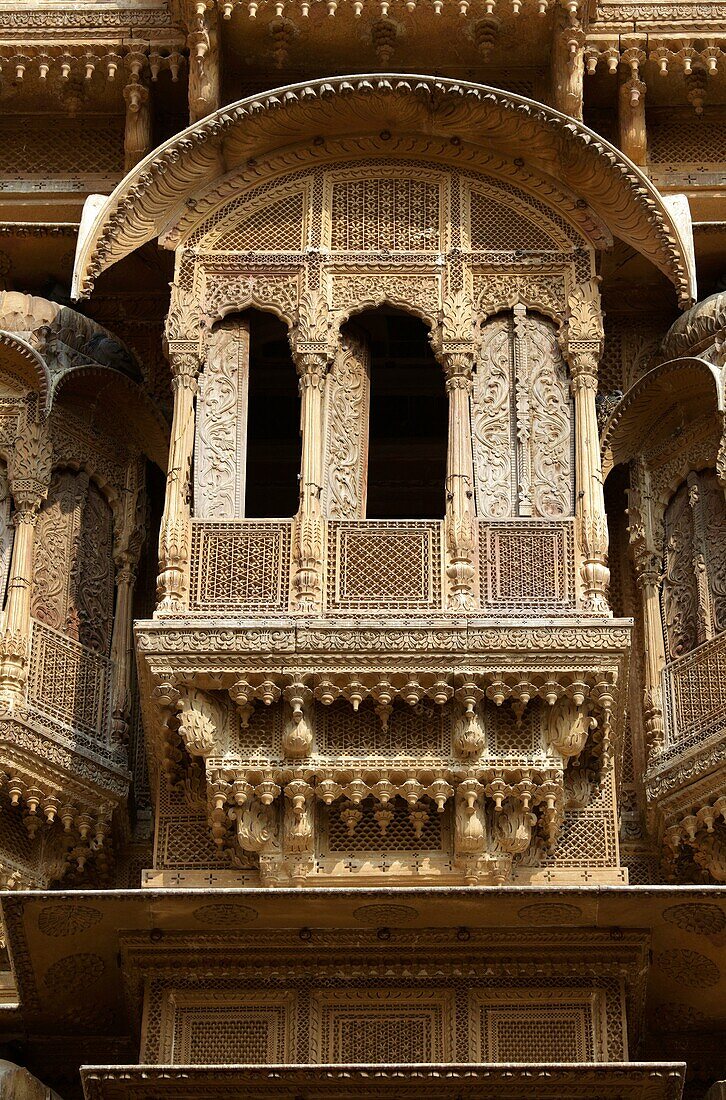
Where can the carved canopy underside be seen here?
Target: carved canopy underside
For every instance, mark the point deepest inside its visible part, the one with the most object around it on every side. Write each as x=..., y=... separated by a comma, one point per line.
x=526, y=142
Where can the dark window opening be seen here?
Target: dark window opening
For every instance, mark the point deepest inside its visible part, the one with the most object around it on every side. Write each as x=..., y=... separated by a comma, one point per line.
x=408, y=424
x=273, y=422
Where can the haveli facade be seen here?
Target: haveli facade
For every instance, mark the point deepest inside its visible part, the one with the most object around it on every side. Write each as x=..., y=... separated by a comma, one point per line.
x=362, y=548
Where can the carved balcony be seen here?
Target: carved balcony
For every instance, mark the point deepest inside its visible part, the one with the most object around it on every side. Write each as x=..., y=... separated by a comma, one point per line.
x=687, y=780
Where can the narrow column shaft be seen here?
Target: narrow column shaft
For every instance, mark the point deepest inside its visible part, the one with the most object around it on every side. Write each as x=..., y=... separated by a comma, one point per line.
x=307, y=544
x=460, y=521
x=175, y=534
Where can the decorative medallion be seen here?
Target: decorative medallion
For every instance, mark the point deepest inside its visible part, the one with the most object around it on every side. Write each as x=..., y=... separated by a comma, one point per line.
x=72, y=971
x=679, y=1017
x=67, y=920
x=225, y=914
x=700, y=918
x=546, y=913
x=689, y=968
x=385, y=914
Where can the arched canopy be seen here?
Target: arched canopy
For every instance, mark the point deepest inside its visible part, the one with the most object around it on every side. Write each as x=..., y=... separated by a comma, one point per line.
x=21, y=361
x=555, y=157
x=662, y=402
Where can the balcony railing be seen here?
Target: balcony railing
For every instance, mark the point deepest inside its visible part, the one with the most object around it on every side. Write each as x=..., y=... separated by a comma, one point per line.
x=693, y=693
x=525, y=567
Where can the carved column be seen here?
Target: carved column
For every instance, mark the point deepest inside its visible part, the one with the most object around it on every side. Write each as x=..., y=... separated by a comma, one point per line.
x=29, y=473
x=205, y=93
x=460, y=519
x=648, y=564
x=704, y=621
x=172, y=583
x=128, y=541
x=313, y=351
x=307, y=534
x=568, y=65
x=582, y=344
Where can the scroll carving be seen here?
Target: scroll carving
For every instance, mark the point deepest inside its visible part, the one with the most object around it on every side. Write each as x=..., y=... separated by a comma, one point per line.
x=347, y=400
x=491, y=423
x=522, y=421
x=6, y=532
x=220, y=451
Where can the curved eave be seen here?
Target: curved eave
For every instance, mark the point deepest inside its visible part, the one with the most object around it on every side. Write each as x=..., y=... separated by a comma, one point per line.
x=555, y=146
x=666, y=398
x=23, y=362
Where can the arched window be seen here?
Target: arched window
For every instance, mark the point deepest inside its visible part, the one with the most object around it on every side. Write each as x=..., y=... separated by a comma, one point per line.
x=247, y=446
x=522, y=422
x=694, y=583
x=73, y=569
x=386, y=422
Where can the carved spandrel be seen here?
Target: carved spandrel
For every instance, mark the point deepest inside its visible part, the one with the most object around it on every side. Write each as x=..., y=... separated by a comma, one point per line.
x=220, y=445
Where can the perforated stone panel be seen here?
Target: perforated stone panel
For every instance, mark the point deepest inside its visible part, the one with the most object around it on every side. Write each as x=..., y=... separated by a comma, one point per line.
x=241, y=1027
x=378, y=565
x=240, y=566
x=276, y=227
x=418, y=732
x=539, y=1026
x=35, y=146
x=69, y=680
x=399, y=835
x=372, y=214
x=687, y=140
x=373, y=1025
x=528, y=565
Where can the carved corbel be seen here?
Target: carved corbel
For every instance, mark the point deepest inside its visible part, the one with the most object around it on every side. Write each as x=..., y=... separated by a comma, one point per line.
x=298, y=830
x=297, y=738
x=513, y=828
x=582, y=340
x=200, y=724
x=469, y=736
x=568, y=728
x=567, y=64
x=470, y=834
x=631, y=103
x=205, y=77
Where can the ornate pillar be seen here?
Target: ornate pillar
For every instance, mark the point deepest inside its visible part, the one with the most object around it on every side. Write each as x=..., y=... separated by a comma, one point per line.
x=648, y=564
x=205, y=94
x=582, y=344
x=29, y=473
x=454, y=346
x=174, y=537
x=460, y=518
x=313, y=352
x=568, y=64
x=128, y=540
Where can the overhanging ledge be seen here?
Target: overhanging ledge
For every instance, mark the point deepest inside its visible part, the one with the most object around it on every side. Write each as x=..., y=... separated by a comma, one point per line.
x=558, y=1081
x=556, y=150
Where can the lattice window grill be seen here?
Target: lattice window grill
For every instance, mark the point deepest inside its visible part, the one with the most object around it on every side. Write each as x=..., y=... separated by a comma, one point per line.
x=277, y=227
x=389, y=213
x=421, y=731
x=527, y=564
x=240, y=566
x=690, y=140
x=51, y=147
x=497, y=227
x=358, y=1025
x=69, y=681
x=400, y=835
x=378, y=565
x=545, y=1026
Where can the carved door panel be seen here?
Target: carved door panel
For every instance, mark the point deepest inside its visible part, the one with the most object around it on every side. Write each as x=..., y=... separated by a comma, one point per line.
x=551, y=420
x=491, y=422
x=6, y=532
x=522, y=421
x=73, y=569
x=347, y=400
x=220, y=448
x=680, y=589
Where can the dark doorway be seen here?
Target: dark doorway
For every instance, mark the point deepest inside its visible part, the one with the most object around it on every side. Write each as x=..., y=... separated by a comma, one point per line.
x=408, y=425
x=273, y=422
